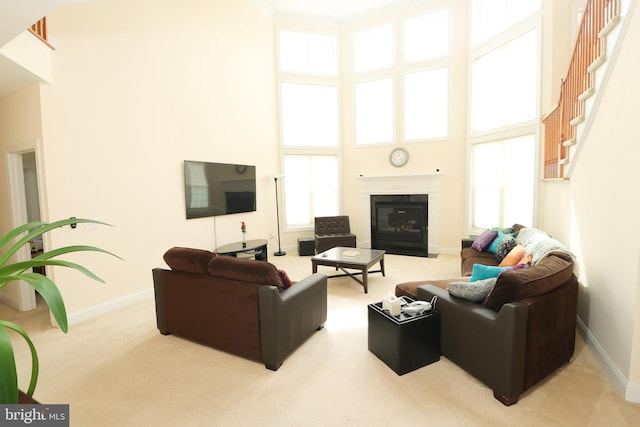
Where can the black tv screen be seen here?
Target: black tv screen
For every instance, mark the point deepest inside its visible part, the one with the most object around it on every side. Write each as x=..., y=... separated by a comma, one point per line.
x=213, y=189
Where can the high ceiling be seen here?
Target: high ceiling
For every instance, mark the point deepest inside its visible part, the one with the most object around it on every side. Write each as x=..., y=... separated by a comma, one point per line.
x=333, y=8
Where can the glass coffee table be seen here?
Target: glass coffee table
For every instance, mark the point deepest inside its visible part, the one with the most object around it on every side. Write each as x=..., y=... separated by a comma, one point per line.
x=352, y=259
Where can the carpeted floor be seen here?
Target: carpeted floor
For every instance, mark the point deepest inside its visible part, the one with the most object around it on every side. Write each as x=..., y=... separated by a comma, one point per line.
x=118, y=370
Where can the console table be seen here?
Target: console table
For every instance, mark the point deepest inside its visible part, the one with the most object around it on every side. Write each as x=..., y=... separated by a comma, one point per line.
x=256, y=248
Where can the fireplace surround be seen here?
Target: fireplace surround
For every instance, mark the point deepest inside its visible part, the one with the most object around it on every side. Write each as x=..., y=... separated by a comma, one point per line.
x=428, y=184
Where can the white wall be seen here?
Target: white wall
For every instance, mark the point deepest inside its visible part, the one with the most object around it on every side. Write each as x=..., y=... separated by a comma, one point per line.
x=596, y=213
x=139, y=87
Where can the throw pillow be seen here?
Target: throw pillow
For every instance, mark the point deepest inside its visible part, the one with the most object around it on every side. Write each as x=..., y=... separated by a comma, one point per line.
x=493, y=247
x=513, y=256
x=284, y=277
x=505, y=246
x=481, y=272
x=483, y=241
x=475, y=292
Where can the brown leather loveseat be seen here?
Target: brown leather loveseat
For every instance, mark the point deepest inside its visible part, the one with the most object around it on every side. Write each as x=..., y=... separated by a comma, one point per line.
x=240, y=306
x=521, y=332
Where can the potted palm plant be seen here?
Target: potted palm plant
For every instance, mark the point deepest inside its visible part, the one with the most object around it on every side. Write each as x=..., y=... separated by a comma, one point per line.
x=10, y=243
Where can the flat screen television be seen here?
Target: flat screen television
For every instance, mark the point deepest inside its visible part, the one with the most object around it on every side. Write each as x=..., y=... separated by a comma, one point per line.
x=213, y=189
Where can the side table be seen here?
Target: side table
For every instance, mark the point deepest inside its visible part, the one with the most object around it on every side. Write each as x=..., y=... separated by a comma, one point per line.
x=256, y=248
x=404, y=343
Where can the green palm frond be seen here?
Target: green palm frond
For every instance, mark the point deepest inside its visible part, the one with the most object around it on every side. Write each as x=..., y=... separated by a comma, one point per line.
x=10, y=243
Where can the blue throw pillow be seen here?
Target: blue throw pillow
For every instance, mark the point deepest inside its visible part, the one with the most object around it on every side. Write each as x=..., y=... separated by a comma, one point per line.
x=481, y=272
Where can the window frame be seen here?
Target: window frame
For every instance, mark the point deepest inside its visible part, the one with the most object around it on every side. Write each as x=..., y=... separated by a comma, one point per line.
x=397, y=72
x=303, y=150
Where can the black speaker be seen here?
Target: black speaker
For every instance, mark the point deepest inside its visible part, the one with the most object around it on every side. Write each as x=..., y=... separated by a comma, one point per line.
x=306, y=246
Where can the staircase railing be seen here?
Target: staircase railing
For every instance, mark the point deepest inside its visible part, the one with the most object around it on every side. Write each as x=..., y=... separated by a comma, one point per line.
x=39, y=29
x=559, y=123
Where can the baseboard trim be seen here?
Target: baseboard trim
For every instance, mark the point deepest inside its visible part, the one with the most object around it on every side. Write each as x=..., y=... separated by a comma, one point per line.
x=630, y=392
x=107, y=307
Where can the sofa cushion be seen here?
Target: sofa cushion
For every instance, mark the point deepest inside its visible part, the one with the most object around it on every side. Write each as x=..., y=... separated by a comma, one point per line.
x=409, y=289
x=245, y=270
x=515, y=285
x=472, y=291
x=188, y=259
x=284, y=278
x=470, y=256
x=484, y=240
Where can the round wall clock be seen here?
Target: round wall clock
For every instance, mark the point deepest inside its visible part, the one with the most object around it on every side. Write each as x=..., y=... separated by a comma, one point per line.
x=399, y=157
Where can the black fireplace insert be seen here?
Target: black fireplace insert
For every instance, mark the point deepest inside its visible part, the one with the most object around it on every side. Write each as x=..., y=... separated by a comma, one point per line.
x=400, y=223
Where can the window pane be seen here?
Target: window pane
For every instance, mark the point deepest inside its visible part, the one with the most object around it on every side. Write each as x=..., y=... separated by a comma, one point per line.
x=503, y=182
x=426, y=110
x=426, y=36
x=310, y=188
x=505, y=84
x=491, y=17
x=374, y=48
x=309, y=115
x=308, y=53
x=374, y=111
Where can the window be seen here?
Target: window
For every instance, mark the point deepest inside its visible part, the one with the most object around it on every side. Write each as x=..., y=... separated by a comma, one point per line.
x=374, y=111
x=505, y=74
x=426, y=104
x=505, y=84
x=374, y=49
x=309, y=114
x=308, y=53
x=313, y=190
x=309, y=126
x=503, y=182
x=405, y=97
x=490, y=17
x=426, y=36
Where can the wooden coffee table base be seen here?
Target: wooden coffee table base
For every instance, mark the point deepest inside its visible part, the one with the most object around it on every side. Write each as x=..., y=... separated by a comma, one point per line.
x=365, y=259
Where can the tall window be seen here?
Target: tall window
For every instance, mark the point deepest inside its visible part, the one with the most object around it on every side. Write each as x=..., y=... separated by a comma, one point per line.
x=309, y=125
x=505, y=75
x=503, y=182
x=402, y=97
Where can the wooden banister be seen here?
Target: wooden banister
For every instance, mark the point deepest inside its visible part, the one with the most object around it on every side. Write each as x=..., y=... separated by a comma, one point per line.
x=588, y=49
x=39, y=29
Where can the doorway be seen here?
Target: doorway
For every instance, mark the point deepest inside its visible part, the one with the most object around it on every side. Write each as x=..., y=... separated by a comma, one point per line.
x=24, y=191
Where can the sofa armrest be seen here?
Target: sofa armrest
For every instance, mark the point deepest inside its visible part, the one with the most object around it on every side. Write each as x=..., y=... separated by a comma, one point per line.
x=289, y=317
x=466, y=243
x=489, y=345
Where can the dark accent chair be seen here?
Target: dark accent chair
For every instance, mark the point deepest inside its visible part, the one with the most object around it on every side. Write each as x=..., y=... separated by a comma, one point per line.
x=332, y=231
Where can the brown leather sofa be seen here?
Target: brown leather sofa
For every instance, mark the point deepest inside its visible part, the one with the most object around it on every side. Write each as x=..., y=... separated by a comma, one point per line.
x=332, y=231
x=239, y=306
x=520, y=333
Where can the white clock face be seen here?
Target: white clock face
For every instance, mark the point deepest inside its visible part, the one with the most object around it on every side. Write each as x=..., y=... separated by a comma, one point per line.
x=399, y=157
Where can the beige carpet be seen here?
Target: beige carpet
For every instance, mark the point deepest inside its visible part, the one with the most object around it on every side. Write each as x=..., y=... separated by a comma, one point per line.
x=118, y=370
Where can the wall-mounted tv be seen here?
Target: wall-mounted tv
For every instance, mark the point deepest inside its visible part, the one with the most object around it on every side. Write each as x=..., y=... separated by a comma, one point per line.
x=213, y=189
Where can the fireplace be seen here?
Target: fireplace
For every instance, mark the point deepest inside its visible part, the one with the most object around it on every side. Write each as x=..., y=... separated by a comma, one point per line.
x=401, y=184
x=400, y=223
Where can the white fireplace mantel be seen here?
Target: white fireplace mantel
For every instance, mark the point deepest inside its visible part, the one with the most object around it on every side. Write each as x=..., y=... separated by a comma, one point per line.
x=403, y=184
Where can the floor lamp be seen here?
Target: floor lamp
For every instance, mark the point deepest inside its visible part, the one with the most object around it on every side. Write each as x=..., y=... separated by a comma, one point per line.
x=279, y=252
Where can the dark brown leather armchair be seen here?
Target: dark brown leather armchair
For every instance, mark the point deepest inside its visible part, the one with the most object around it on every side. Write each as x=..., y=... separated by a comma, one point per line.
x=522, y=332
x=237, y=305
x=332, y=231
